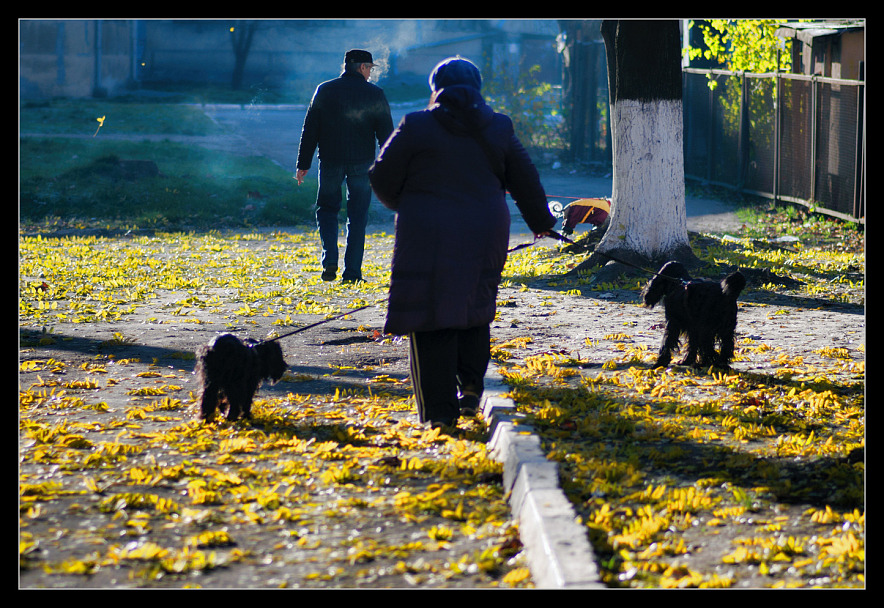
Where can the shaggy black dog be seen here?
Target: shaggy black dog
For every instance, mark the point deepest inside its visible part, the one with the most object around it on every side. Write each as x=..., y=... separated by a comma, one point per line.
x=703, y=311
x=230, y=371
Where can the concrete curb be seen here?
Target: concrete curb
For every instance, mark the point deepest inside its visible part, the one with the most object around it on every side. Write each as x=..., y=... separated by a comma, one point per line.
x=558, y=551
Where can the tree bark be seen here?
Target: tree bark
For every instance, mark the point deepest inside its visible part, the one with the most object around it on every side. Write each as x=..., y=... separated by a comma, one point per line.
x=648, y=223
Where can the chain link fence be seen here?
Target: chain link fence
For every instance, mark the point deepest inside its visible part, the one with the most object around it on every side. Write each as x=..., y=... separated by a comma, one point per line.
x=788, y=137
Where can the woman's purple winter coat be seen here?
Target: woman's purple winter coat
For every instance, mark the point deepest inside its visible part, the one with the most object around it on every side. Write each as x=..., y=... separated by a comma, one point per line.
x=452, y=224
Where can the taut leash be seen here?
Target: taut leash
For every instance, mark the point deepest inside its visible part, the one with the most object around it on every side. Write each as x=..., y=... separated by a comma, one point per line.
x=312, y=325
x=565, y=239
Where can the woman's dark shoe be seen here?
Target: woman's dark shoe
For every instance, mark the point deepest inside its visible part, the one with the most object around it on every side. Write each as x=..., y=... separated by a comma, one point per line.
x=469, y=405
x=447, y=427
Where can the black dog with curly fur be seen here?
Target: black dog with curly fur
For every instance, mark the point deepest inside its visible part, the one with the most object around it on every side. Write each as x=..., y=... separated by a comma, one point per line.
x=230, y=371
x=705, y=312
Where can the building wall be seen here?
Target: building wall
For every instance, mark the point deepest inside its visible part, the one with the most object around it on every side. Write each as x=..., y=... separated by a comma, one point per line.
x=57, y=58
x=299, y=54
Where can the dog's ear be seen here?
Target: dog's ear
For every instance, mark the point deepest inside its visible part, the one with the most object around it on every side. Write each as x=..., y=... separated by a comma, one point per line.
x=654, y=291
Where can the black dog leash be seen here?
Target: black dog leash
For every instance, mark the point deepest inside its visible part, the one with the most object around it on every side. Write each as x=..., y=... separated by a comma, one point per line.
x=565, y=239
x=312, y=325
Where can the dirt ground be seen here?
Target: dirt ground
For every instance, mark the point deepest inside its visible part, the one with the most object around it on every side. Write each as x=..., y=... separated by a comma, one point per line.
x=349, y=353
x=553, y=319
x=572, y=321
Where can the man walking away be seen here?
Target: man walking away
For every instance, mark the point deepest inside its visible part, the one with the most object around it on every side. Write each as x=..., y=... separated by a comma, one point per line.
x=347, y=118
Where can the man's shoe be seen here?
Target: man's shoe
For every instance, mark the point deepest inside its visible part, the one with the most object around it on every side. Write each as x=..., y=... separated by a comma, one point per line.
x=329, y=274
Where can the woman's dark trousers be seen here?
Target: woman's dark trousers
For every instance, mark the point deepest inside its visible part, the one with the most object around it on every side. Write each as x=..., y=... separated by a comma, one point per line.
x=447, y=363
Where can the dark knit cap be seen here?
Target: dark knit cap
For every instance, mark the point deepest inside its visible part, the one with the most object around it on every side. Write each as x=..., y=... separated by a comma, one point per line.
x=455, y=71
x=358, y=56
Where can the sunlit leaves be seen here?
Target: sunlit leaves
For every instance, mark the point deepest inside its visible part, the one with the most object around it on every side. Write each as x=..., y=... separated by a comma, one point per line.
x=304, y=463
x=622, y=435
x=616, y=434
x=89, y=279
x=749, y=45
x=650, y=457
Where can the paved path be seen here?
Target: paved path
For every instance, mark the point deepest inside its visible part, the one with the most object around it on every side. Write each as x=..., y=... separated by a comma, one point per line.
x=557, y=548
x=274, y=132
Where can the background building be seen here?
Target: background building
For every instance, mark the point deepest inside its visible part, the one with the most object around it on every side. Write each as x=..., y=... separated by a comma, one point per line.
x=99, y=57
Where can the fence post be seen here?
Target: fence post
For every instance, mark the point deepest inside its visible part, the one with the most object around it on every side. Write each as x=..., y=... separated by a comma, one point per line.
x=859, y=186
x=814, y=135
x=743, y=145
x=710, y=135
x=778, y=90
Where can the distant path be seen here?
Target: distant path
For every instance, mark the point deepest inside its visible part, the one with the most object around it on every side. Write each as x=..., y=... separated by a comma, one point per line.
x=274, y=132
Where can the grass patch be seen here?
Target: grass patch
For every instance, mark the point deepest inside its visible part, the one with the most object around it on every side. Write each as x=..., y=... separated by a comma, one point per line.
x=76, y=116
x=75, y=182
x=68, y=178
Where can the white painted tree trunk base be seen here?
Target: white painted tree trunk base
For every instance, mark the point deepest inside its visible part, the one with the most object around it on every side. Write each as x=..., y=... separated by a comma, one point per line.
x=648, y=200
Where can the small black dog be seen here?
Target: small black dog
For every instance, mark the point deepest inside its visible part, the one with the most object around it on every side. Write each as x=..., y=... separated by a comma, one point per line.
x=704, y=311
x=230, y=371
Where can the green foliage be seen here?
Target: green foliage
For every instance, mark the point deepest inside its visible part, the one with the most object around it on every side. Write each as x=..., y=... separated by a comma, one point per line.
x=533, y=105
x=743, y=45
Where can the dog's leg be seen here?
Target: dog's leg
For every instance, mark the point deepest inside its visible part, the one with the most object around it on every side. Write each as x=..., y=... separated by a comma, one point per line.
x=246, y=405
x=671, y=336
x=726, y=350
x=208, y=401
x=707, y=354
x=235, y=401
x=693, y=340
x=727, y=353
x=240, y=399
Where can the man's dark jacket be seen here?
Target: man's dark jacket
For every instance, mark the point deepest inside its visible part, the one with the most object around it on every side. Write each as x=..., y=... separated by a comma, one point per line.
x=347, y=118
x=452, y=222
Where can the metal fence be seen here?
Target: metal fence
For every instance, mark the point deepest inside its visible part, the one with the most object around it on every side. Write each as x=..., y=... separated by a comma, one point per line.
x=788, y=137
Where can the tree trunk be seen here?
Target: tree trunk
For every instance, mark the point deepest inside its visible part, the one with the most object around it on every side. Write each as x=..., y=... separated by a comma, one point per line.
x=648, y=223
x=241, y=35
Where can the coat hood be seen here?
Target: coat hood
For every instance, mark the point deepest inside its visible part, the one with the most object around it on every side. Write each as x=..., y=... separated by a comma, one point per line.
x=455, y=70
x=462, y=109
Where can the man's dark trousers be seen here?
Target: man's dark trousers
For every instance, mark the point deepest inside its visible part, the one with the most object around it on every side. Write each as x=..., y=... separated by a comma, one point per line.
x=328, y=205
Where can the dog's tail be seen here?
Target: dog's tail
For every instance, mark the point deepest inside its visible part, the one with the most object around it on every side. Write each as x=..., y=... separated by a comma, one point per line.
x=733, y=284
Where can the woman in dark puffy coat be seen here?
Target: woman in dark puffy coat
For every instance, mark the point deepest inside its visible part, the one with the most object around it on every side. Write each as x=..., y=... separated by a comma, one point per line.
x=445, y=171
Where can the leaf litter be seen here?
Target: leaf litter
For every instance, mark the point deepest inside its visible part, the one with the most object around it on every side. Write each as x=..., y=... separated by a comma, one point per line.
x=332, y=484
x=752, y=477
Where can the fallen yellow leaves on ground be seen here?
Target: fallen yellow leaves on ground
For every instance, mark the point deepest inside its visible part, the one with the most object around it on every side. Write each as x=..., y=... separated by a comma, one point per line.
x=657, y=460
x=332, y=490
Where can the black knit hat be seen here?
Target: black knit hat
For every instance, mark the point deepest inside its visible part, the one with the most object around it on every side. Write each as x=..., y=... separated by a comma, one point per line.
x=358, y=56
x=455, y=70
